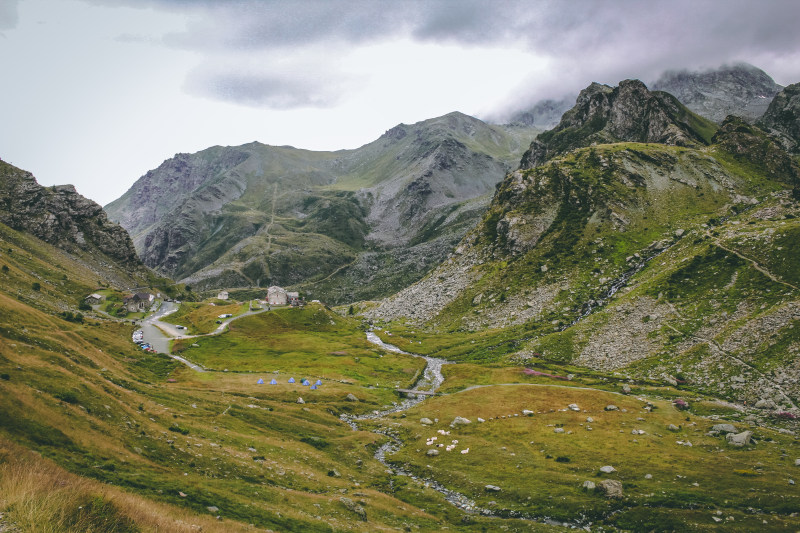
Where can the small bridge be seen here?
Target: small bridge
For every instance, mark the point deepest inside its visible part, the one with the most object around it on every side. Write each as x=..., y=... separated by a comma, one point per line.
x=422, y=392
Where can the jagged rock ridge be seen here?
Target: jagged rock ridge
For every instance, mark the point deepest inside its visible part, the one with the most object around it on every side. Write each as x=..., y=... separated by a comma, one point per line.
x=782, y=118
x=60, y=216
x=628, y=112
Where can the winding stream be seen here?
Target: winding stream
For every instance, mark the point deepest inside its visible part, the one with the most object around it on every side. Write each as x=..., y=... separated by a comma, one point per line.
x=431, y=379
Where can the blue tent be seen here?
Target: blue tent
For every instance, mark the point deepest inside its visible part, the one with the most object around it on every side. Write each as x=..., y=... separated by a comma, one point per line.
x=305, y=382
x=318, y=383
x=273, y=382
x=260, y=381
x=313, y=387
x=291, y=380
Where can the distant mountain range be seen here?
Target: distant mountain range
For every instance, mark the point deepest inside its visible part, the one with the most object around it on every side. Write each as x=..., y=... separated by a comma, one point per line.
x=361, y=224
x=342, y=226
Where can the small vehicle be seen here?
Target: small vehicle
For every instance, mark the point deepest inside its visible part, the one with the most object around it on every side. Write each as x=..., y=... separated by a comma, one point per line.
x=180, y=327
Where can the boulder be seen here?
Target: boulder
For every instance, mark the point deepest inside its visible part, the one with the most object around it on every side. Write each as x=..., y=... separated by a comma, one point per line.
x=607, y=469
x=433, y=452
x=739, y=439
x=611, y=407
x=797, y=462
x=212, y=508
x=765, y=404
x=460, y=420
x=526, y=412
x=350, y=397
x=724, y=428
x=626, y=389
x=673, y=427
x=588, y=485
x=492, y=488
x=558, y=430
x=611, y=488
x=425, y=421
x=574, y=407
x=300, y=400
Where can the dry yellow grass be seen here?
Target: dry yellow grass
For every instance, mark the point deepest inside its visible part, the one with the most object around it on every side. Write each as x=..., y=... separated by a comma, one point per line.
x=39, y=497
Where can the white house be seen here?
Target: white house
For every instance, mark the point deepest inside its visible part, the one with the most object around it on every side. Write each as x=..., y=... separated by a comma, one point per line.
x=276, y=296
x=223, y=295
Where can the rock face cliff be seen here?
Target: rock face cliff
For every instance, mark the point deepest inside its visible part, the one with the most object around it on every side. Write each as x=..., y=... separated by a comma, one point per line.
x=60, y=216
x=782, y=118
x=325, y=222
x=628, y=112
x=742, y=90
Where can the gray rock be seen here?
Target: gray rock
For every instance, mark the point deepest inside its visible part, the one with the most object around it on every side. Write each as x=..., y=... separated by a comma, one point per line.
x=300, y=400
x=765, y=404
x=739, y=439
x=611, y=407
x=626, y=389
x=589, y=419
x=588, y=485
x=797, y=462
x=648, y=476
x=459, y=421
x=351, y=397
x=573, y=407
x=558, y=430
x=354, y=507
x=492, y=488
x=426, y=421
x=433, y=452
x=212, y=508
x=527, y=412
x=611, y=488
x=724, y=428
x=673, y=427
x=607, y=469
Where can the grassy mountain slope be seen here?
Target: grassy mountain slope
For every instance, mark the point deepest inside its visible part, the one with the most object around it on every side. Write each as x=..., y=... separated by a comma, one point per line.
x=256, y=215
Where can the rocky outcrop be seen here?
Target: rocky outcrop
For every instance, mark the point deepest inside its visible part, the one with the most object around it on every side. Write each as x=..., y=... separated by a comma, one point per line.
x=626, y=113
x=741, y=89
x=60, y=216
x=782, y=118
x=750, y=144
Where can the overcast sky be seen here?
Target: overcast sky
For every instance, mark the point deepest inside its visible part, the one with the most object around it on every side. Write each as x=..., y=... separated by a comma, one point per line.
x=97, y=92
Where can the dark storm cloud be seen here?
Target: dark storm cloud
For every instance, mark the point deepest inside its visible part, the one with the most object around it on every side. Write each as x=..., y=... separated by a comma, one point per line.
x=585, y=40
x=274, y=90
x=8, y=14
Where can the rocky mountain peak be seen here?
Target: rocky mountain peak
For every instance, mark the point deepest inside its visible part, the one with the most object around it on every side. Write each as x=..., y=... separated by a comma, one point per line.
x=60, y=216
x=740, y=89
x=782, y=118
x=628, y=112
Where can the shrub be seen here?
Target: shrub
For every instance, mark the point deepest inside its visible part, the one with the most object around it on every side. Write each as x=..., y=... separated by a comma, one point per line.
x=36, y=286
x=784, y=415
x=681, y=404
x=5, y=269
x=178, y=429
x=67, y=396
